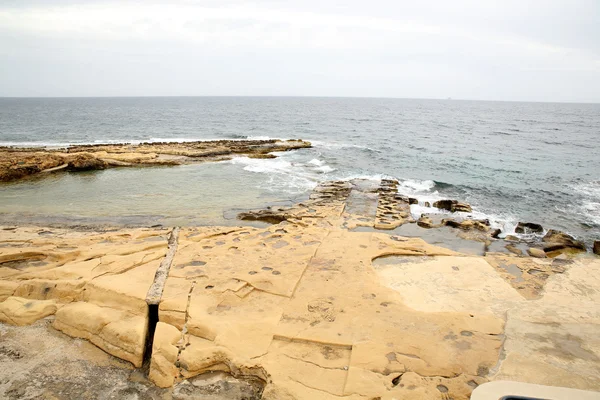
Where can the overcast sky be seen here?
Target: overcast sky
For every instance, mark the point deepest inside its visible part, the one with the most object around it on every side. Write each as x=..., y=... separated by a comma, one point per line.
x=481, y=49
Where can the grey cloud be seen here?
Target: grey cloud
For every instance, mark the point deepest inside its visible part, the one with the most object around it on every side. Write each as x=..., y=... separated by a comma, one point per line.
x=536, y=50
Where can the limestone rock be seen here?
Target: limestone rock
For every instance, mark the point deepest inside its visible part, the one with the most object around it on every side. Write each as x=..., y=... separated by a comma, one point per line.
x=86, y=162
x=549, y=338
x=20, y=311
x=262, y=155
x=528, y=275
x=16, y=163
x=62, y=291
x=461, y=207
x=269, y=216
x=515, y=250
x=452, y=205
x=528, y=227
x=444, y=204
x=425, y=222
x=116, y=332
x=311, y=309
x=557, y=242
x=393, y=209
x=535, y=252
x=163, y=371
x=7, y=288
x=468, y=224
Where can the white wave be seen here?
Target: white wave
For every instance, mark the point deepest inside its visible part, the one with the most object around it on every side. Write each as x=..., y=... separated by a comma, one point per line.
x=314, y=161
x=324, y=169
x=589, y=189
x=416, y=210
x=409, y=186
x=375, y=177
x=261, y=138
x=505, y=223
x=589, y=208
x=591, y=211
x=333, y=145
x=283, y=175
x=263, y=165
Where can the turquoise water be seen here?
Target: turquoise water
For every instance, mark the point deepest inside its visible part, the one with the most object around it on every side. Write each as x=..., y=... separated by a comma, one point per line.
x=182, y=195
x=513, y=162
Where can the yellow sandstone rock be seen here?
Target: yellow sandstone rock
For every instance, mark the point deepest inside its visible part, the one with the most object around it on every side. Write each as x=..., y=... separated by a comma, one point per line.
x=116, y=332
x=312, y=310
x=20, y=311
x=163, y=370
x=7, y=288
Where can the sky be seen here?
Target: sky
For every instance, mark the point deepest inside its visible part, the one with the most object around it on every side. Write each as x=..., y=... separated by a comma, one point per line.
x=514, y=50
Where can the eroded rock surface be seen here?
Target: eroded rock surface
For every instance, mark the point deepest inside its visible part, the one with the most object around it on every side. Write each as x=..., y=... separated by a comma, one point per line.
x=38, y=362
x=452, y=205
x=312, y=307
x=16, y=163
x=556, y=242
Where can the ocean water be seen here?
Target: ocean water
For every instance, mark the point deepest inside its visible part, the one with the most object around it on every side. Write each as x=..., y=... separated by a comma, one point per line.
x=533, y=162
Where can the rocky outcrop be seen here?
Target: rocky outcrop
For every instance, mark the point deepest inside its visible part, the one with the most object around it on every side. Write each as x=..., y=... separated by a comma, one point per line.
x=270, y=215
x=482, y=225
x=425, y=222
x=326, y=199
x=19, y=164
x=452, y=205
x=86, y=162
x=393, y=209
x=514, y=249
x=20, y=311
x=320, y=305
x=535, y=252
x=556, y=242
x=528, y=227
x=496, y=233
x=117, y=332
x=596, y=247
x=16, y=163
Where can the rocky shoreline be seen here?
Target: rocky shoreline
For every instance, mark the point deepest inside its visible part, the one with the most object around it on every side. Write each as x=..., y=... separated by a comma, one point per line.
x=333, y=300
x=18, y=163
x=393, y=210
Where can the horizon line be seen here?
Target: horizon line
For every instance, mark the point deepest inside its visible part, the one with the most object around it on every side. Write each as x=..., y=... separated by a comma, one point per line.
x=299, y=96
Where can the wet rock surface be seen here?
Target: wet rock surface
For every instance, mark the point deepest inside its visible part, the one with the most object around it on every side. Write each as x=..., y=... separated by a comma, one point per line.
x=528, y=227
x=452, y=205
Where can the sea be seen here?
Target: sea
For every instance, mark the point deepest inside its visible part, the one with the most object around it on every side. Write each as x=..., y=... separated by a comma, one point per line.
x=512, y=161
